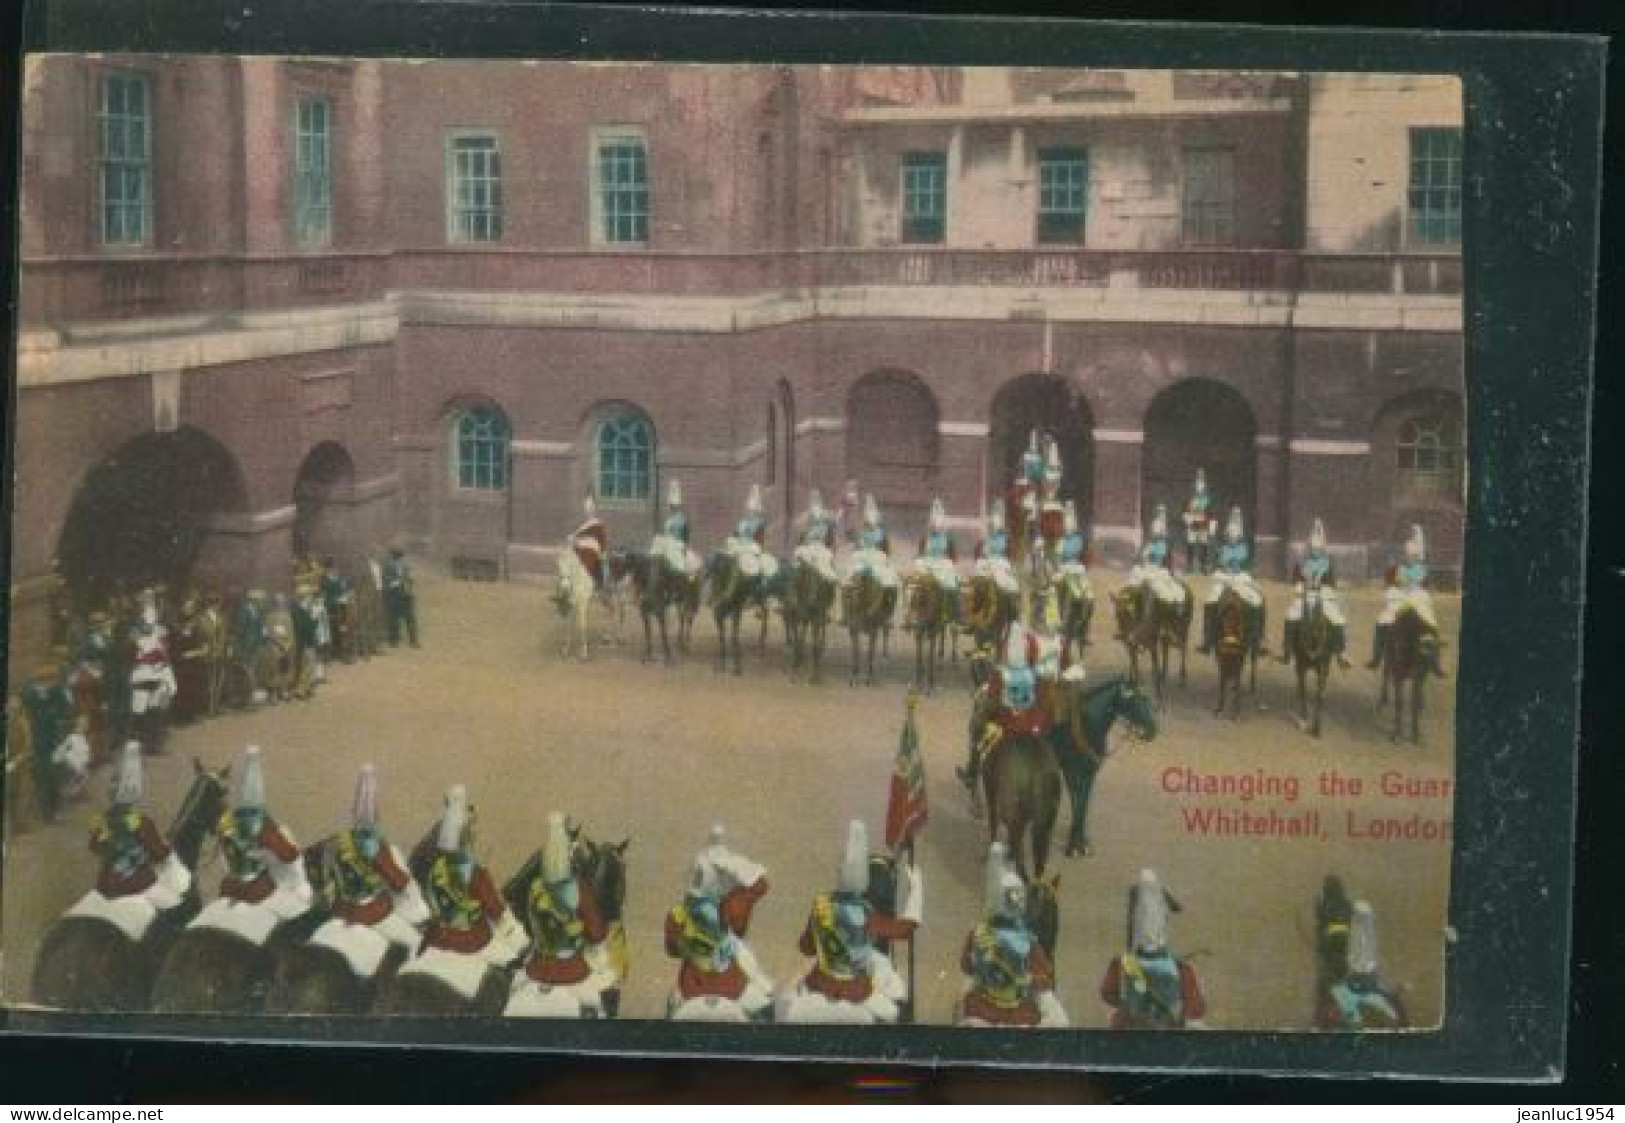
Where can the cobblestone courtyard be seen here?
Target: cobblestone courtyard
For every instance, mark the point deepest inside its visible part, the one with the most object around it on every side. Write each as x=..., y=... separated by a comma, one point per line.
x=659, y=754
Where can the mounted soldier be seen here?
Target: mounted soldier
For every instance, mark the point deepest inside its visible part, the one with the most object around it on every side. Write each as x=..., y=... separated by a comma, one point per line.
x=467, y=915
x=265, y=882
x=139, y=875
x=671, y=545
x=1012, y=979
x=852, y=978
x=1151, y=571
x=872, y=557
x=1232, y=575
x=1011, y=703
x=1148, y=987
x=937, y=556
x=1407, y=589
x=817, y=546
x=746, y=545
x=720, y=979
x=570, y=970
x=1314, y=584
x=371, y=889
x=590, y=541
x=993, y=553
x=1360, y=999
x=1199, y=527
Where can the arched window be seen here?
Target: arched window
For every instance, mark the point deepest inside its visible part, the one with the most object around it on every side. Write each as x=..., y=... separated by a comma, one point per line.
x=1428, y=449
x=480, y=455
x=625, y=458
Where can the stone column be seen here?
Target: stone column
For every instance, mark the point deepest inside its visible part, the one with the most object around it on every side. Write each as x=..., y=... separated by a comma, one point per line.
x=1117, y=531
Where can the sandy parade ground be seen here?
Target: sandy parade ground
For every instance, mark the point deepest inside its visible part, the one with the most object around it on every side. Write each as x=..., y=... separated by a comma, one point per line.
x=659, y=754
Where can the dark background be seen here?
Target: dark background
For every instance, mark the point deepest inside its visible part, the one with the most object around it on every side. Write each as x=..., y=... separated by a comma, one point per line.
x=84, y=1070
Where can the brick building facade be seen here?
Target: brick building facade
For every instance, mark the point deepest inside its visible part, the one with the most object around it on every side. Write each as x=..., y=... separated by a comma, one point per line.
x=332, y=303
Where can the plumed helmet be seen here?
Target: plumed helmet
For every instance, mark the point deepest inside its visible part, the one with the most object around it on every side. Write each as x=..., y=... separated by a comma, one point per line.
x=1416, y=545
x=1201, y=480
x=939, y=515
x=1148, y=914
x=365, y=808
x=1015, y=647
x=1317, y=536
x=855, y=859
x=705, y=879
x=753, y=501
x=251, y=785
x=993, y=876
x=1069, y=518
x=555, y=850
x=1159, y=522
x=1012, y=902
x=1032, y=442
x=995, y=516
x=1052, y=461
x=1363, y=959
x=674, y=494
x=815, y=504
x=127, y=785
x=1232, y=528
x=589, y=507
x=871, y=510
x=454, y=820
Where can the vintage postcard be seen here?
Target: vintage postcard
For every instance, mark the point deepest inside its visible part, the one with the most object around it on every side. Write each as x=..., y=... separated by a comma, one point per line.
x=933, y=545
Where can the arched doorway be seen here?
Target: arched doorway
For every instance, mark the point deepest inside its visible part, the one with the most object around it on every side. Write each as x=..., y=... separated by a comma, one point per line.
x=1202, y=424
x=1053, y=406
x=319, y=527
x=142, y=515
x=892, y=445
x=1418, y=453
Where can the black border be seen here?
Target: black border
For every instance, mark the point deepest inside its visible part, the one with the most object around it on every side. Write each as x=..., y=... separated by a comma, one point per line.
x=1534, y=107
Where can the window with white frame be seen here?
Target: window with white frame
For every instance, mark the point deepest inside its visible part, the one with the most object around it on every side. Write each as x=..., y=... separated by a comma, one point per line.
x=474, y=188
x=480, y=450
x=1063, y=194
x=925, y=197
x=313, y=171
x=1435, y=187
x=124, y=114
x=620, y=187
x=1209, y=197
x=625, y=458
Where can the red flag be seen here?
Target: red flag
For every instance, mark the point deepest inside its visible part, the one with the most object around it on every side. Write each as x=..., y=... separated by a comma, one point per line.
x=906, y=809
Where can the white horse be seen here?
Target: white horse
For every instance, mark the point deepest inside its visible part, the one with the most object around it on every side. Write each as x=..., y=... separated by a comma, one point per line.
x=574, y=595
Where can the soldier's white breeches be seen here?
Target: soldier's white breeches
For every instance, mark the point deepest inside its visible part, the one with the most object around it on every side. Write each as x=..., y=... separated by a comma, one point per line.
x=941, y=570
x=1161, y=582
x=1418, y=600
x=876, y=564
x=1244, y=585
x=1002, y=572
x=1330, y=606
x=820, y=557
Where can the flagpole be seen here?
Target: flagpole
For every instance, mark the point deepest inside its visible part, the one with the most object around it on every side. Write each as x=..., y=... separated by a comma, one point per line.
x=908, y=846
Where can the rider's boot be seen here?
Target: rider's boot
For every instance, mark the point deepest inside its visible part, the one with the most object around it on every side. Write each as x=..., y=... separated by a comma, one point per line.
x=1210, y=628
x=1340, y=646
x=1379, y=645
x=972, y=769
x=1289, y=639
x=1433, y=657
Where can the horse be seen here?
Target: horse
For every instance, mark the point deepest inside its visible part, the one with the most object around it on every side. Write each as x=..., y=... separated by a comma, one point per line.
x=929, y=614
x=1234, y=643
x=573, y=594
x=1021, y=782
x=602, y=866
x=89, y=964
x=867, y=605
x=1077, y=609
x=1408, y=659
x=731, y=591
x=989, y=611
x=1145, y=622
x=657, y=589
x=1313, y=648
x=808, y=598
x=1083, y=717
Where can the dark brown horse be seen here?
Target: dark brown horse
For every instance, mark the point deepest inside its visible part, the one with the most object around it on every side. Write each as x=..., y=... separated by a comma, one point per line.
x=988, y=612
x=1233, y=643
x=1411, y=652
x=929, y=615
x=1021, y=782
x=1077, y=605
x=731, y=591
x=211, y=971
x=1145, y=622
x=867, y=605
x=658, y=591
x=1314, y=645
x=89, y=964
x=809, y=597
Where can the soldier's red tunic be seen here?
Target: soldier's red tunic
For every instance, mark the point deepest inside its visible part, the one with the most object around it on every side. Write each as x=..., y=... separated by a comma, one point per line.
x=881, y=928
x=1052, y=523
x=557, y=970
x=253, y=890
x=139, y=833
x=465, y=941
x=694, y=981
x=375, y=908
x=1192, y=1005
x=981, y=1006
x=591, y=541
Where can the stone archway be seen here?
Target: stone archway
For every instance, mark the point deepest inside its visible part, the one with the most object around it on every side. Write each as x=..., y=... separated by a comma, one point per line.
x=893, y=445
x=1200, y=423
x=322, y=492
x=1053, y=406
x=145, y=513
